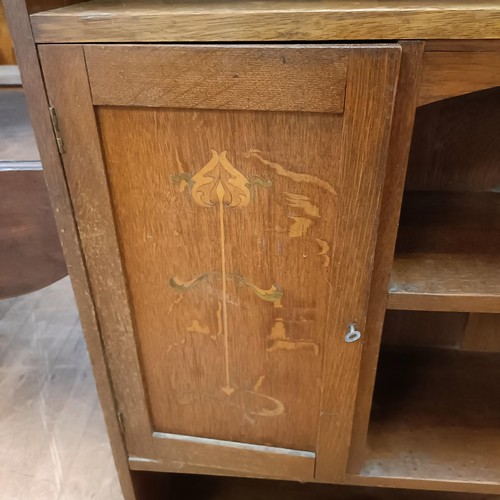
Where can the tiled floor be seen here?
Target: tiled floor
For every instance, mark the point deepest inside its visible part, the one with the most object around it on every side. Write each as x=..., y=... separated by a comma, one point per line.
x=53, y=442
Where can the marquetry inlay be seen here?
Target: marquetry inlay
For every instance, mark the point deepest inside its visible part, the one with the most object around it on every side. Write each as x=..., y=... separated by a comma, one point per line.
x=219, y=184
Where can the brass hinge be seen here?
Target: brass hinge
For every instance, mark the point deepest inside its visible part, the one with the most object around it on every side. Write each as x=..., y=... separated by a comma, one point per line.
x=121, y=423
x=57, y=132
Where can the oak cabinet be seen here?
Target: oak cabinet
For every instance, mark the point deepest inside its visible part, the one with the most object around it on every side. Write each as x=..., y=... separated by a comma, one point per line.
x=227, y=199
x=285, y=255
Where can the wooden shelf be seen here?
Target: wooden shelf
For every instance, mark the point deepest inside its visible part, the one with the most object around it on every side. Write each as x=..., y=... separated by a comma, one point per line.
x=447, y=254
x=272, y=20
x=445, y=282
x=435, y=415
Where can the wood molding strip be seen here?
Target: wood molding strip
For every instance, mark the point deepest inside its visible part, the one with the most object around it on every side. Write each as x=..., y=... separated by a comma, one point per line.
x=259, y=77
x=186, y=452
x=316, y=20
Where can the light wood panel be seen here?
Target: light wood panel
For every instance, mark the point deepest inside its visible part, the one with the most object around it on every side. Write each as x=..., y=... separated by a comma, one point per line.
x=266, y=78
x=436, y=416
x=19, y=24
x=371, y=84
x=283, y=246
x=449, y=74
x=401, y=133
x=218, y=195
x=243, y=459
x=275, y=331
x=185, y=21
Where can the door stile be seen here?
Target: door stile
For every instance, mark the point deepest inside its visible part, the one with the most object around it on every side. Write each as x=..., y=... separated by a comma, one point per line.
x=371, y=83
x=69, y=93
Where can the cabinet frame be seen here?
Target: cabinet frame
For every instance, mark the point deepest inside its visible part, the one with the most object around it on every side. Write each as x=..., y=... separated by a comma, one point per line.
x=372, y=77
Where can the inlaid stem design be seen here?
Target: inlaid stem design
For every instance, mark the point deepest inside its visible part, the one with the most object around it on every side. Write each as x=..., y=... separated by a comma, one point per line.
x=219, y=178
x=219, y=184
x=273, y=294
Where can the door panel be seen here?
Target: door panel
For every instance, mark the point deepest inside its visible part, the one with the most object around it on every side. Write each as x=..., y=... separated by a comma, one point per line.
x=247, y=272
x=229, y=245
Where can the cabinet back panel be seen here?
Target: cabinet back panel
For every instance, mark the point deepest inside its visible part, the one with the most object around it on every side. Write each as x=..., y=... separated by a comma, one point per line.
x=229, y=299
x=455, y=144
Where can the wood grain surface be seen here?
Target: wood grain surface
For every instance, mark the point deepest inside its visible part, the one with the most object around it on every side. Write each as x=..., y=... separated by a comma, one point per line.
x=29, y=65
x=226, y=238
x=173, y=253
x=68, y=91
x=447, y=253
x=419, y=417
x=399, y=145
x=445, y=282
x=462, y=45
x=182, y=452
x=266, y=78
x=371, y=85
x=185, y=21
x=449, y=74
x=245, y=388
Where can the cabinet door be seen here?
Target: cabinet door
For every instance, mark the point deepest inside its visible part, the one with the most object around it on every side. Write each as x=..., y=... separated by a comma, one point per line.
x=227, y=201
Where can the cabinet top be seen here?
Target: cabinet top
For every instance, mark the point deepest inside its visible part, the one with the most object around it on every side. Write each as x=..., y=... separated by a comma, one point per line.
x=272, y=20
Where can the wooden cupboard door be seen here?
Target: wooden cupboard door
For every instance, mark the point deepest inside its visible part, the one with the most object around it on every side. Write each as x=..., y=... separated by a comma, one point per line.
x=227, y=201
